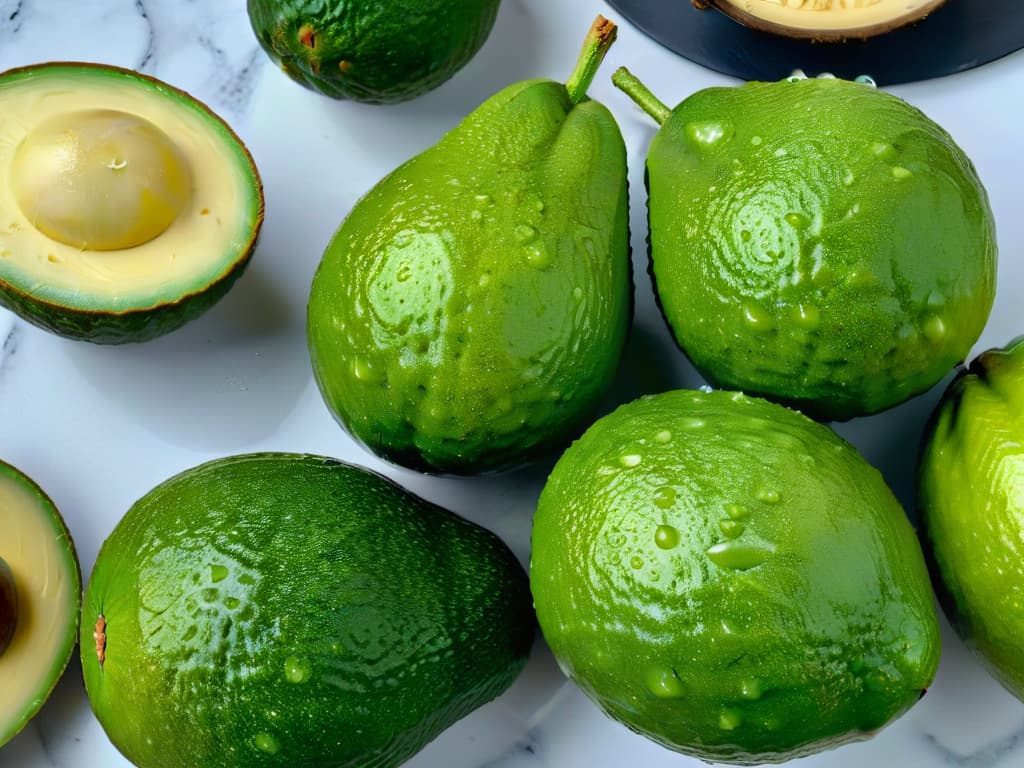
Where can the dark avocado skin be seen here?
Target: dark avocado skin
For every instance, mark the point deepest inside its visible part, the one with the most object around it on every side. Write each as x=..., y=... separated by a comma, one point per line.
x=8, y=606
x=372, y=51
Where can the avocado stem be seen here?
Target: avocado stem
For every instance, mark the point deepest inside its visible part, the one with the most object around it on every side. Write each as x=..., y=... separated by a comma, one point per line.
x=599, y=40
x=628, y=83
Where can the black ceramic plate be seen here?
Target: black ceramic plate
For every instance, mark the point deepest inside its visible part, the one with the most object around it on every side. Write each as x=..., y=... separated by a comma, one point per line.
x=960, y=35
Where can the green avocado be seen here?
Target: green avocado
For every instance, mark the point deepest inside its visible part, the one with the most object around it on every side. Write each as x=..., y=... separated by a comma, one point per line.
x=472, y=309
x=40, y=599
x=971, y=498
x=127, y=208
x=372, y=51
x=291, y=610
x=732, y=580
x=816, y=241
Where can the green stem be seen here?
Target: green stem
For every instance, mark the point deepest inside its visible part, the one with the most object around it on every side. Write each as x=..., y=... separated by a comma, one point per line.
x=628, y=83
x=599, y=40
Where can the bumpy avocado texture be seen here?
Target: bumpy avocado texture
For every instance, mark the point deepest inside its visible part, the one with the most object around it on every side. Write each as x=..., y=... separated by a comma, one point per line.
x=40, y=597
x=290, y=610
x=372, y=51
x=127, y=208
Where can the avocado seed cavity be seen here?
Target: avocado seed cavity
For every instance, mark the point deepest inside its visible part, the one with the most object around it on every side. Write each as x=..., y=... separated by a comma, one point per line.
x=100, y=179
x=8, y=606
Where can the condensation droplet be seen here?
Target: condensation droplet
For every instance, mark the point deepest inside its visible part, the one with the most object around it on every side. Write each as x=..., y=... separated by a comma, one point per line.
x=266, y=742
x=630, y=460
x=665, y=497
x=768, y=496
x=664, y=436
x=934, y=328
x=666, y=537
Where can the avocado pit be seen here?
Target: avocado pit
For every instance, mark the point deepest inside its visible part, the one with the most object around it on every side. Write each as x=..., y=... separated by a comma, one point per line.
x=8, y=606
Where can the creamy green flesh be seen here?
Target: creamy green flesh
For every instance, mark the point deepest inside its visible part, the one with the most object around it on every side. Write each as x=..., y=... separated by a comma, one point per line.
x=41, y=559
x=118, y=194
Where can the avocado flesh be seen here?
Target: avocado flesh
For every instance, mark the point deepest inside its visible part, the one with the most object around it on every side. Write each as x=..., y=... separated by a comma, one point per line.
x=971, y=497
x=830, y=20
x=44, y=569
x=286, y=610
x=185, y=203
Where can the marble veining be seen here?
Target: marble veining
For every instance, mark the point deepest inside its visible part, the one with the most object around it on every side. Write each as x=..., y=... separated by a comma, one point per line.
x=98, y=426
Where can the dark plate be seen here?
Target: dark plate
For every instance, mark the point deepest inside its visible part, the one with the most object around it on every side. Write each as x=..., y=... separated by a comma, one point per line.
x=960, y=35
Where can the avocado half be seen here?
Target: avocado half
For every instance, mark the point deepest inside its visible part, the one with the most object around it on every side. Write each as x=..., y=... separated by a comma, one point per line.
x=127, y=207
x=824, y=20
x=40, y=599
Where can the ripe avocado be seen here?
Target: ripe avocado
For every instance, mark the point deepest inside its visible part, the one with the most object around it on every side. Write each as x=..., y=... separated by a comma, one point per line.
x=40, y=597
x=127, y=208
x=731, y=579
x=971, y=497
x=371, y=51
x=291, y=610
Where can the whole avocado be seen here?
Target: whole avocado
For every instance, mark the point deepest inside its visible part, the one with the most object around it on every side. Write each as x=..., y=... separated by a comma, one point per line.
x=471, y=311
x=291, y=610
x=971, y=498
x=376, y=52
x=731, y=579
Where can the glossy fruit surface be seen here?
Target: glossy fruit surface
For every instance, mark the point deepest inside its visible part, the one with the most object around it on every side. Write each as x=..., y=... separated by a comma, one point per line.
x=372, y=51
x=972, y=504
x=291, y=610
x=731, y=579
x=818, y=242
x=472, y=309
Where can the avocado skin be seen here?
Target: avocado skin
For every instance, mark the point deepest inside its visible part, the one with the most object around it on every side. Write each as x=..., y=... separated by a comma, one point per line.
x=352, y=621
x=972, y=508
x=125, y=327
x=379, y=53
x=472, y=309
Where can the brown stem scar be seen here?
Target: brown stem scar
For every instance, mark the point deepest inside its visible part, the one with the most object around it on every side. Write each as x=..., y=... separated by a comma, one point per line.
x=307, y=36
x=99, y=634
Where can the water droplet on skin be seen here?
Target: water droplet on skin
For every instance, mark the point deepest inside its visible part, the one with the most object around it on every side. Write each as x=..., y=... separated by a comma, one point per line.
x=366, y=372
x=768, y=496
x=866, y=80
x=664, y=436
x=476, y=216
x=751, y=689
x=577, y=293
x=899, y=172
x=756, y=141
x=707, y=389
x=780, y=152
x=692, y=422
x=934, y=328
x=798, y=221
x=745, y=236
x=710, y=133
x=807, y=316
x=738, y=556
x=664, y=683
x=524, y=234
x=534, y=202
x=297, y=670
x=404, y=273
x=636, y=563
x=665, y=497
x=630, y=460
x=935, y=299
x=731, y=529
x=666, y=537
x=826, y=76
x=231, y=603
x=849, y=178
x=882, y=149
x=218, y=573
x=209, y=595
x=796, y=76
x=537, y=256
x=265, y=742
x=737, y=511
x=729, y=719
x=615, y=537
x=757, y=318
x=483, y=201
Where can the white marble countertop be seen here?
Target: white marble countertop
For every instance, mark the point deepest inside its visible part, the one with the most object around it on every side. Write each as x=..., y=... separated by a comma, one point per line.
x=99, y=426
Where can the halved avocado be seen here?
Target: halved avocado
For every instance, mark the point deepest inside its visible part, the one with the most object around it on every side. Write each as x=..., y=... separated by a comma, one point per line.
x=825, y=19
x=40, y=599
x=127, y=207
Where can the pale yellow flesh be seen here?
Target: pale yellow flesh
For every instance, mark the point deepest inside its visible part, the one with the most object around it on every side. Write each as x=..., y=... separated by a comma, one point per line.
x=832, y=16
x=213, y=227
x=47, y=602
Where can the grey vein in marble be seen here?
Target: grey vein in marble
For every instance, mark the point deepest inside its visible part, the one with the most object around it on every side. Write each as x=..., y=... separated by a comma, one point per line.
x=526, y=753
x=989, y=756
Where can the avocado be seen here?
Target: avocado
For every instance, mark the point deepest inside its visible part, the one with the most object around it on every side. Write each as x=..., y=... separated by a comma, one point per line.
x=472, y=309
x=828, y=21
x=368, y=51
x=971, y=500
x=816, y=241
x=127, y=208
x=40, y=598
x=292, y=610
x=731, y=579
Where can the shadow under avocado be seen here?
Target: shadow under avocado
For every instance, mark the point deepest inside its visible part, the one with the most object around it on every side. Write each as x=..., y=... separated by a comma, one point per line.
x=222, y=382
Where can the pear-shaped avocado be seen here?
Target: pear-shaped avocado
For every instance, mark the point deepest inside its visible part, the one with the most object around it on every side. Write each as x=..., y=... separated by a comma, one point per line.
x=289, y=610
x=971, y=498
x=816, y=241
x=731, y=579
x=370, y=51
x=472, y=308
x=40, y=598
